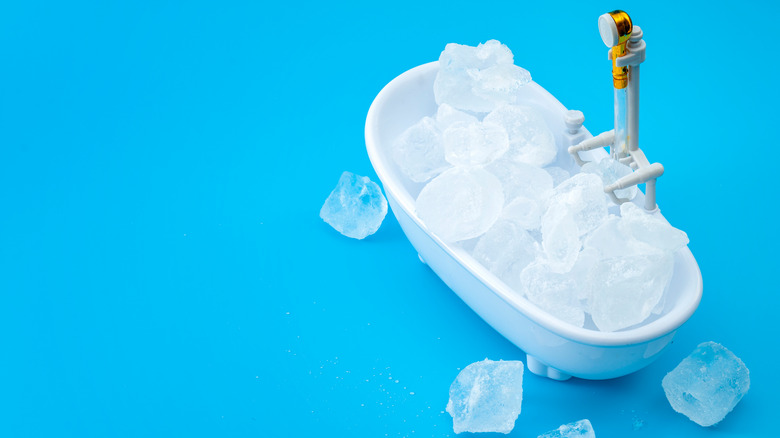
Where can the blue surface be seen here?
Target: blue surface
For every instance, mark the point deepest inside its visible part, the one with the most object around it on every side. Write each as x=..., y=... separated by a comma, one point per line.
x=164, y=271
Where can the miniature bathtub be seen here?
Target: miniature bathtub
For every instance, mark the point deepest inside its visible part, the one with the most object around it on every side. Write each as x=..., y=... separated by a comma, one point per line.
x=554, y=348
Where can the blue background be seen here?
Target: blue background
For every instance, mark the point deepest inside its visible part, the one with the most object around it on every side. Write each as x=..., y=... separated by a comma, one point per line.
x=164, y=271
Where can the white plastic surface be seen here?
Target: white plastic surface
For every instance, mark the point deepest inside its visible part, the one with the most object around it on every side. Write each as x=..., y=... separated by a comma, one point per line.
x=608, y=30
x=560, y=347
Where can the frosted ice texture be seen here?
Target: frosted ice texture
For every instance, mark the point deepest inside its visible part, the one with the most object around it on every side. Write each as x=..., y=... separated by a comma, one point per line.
x=446, y=115
x=609, y=171
x=520, y=179
x=557, y=294
x=582, y=196
x=419, y=151
x=560, y=237
x=707, y=384
x=578, y=429
x=474, y=143
x=356, y=207
x=478, y=78
x=505, y=247
x=525, y=212
x=530, y=139
x=558, y=174
x=461, y=203
x=486, y=397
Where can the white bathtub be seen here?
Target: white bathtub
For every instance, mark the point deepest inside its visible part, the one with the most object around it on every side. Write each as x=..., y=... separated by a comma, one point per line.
x=555, y=349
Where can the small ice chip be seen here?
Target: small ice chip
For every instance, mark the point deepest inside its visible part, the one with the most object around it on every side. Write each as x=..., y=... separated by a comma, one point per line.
x=486, y=397
x=356, y=207
x=707, y=384
x=578, y=429
x=461, y=203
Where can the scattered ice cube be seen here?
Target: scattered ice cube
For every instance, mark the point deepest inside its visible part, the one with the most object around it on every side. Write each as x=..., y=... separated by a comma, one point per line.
x=521, y=179
x=582, y=196
x=478, y=78
x=524, y=212
x=707, y=384
x=419, y=151
x=506, y=245
x=557, y=294
x=560, y=238
x=474, y=143
x=356, y=207
x=578, y=429
x=486, y=397
x=610, y=171
x=558, y=174
x=530, y=139
x=625, y=290
x=461, y=203
x=446, y=115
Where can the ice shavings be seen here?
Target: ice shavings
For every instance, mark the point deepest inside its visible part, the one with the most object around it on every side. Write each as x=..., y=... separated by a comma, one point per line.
x=578, y=429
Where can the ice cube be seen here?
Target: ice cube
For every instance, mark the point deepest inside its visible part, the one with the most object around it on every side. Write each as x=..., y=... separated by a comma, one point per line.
x=578, y=429
x=557, y=294
x=558, y=174
x=650, y=229
x=521, y=179
x=707, y=384
x=623, y=291
x=486, y=397
x=525, y=212
x=446, y=115
x=530, y=139
x=582, y=196
x=356, y=207
x=478, y=78
x=506, y=245
x=474, y=143
x=609, y=171
x=419, y=151
x=560, y=238
x=461, y=203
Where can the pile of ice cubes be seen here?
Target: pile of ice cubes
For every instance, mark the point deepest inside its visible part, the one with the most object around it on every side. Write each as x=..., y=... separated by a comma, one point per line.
x=497, y=184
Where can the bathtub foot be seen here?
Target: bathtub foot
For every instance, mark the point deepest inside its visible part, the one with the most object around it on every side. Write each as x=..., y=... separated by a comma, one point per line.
x=541, y=369
x=421, y=259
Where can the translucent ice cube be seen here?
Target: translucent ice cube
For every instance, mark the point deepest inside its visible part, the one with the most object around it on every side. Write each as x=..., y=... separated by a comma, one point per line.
x=474, y=143
x=558, y=174
x=506, y=245
x=419, y=151
x=521, y=179
x=582, y=196
x=557, y=294
x=707, y=384
x=446, y=115
x=530, y=139
x=478, y=78
x=623, y=291
x=356, y=207
x=525, y=212
x=650, y=229
x=560, y=238
x=610, y=171
x=486, y=397
x=578, y=429
x=461, y=203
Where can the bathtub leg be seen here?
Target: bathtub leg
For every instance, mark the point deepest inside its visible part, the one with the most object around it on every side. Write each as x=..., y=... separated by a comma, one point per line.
x=541, y=369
